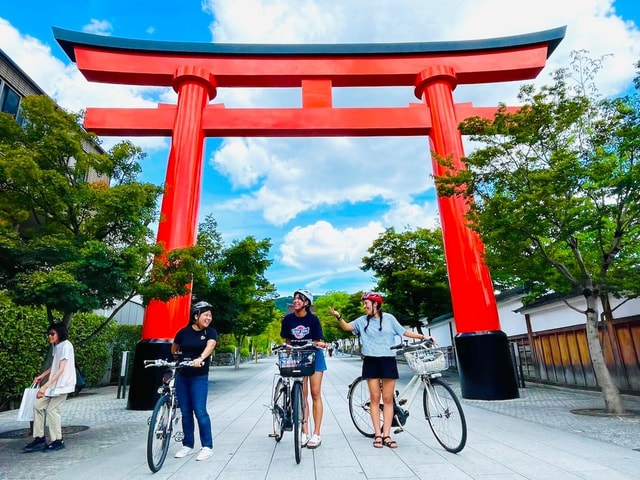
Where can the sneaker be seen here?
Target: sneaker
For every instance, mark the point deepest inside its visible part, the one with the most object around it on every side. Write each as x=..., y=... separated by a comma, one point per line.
x=314, y=442
x=37, y=444
x=183, y=452
x=305, y=440
x=55, y=445
x=205, y=453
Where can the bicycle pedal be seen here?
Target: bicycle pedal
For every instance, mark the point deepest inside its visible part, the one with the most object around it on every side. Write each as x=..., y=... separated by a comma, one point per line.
x=402, y=401
x=398, y=430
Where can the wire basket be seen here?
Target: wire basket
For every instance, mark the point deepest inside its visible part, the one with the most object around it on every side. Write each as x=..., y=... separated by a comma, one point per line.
x=297, y=363
x=427, y=360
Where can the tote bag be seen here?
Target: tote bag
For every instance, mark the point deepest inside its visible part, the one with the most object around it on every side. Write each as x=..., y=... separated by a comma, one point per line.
x=25, y=414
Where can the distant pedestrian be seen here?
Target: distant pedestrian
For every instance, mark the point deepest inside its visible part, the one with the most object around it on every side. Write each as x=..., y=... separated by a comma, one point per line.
x=377, y=333
x=52, y=394
x=195, y=342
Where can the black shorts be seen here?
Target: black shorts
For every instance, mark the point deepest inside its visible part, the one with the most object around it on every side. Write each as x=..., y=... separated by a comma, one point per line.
x=380, y=367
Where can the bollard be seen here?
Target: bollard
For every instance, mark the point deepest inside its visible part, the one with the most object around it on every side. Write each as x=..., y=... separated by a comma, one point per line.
x=122, y=379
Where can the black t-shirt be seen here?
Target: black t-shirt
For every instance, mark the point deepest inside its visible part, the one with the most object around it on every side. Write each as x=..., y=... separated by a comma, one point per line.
x=301, y=330
x=192, y=343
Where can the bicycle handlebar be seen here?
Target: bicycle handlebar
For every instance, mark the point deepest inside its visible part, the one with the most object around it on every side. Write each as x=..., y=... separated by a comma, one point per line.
x=164, y=363
x=283, y=346
x=426, y=342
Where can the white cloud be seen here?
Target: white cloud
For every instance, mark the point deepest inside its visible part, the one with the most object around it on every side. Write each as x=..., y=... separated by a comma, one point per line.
x=322, y=247
x=98, y=27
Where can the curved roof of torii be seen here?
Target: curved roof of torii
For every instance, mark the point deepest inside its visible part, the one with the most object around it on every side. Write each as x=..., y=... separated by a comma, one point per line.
x=68, y=39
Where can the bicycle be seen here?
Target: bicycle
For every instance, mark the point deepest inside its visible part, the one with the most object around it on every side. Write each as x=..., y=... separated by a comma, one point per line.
x=165, y=414
x=287, y=400
x=441, y=406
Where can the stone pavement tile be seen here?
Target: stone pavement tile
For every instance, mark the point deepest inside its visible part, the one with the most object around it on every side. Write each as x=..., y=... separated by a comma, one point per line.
x=335, y=473
x=383, y=463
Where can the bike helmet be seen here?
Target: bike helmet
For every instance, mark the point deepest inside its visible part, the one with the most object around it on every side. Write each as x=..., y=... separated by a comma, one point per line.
x=373, y=296
x=199, y=308
x=306, y=294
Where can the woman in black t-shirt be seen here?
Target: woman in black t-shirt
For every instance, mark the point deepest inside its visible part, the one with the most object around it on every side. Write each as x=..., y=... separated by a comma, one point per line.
x=195, y=342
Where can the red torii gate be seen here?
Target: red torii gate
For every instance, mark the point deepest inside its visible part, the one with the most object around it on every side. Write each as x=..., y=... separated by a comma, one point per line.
x=196, y=70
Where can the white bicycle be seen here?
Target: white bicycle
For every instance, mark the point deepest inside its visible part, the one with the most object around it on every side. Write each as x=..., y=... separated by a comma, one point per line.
x=441, y=406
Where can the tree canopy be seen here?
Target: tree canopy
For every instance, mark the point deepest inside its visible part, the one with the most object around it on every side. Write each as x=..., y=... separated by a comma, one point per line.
x=233, y=281
x=410, y=268
x=74, y=221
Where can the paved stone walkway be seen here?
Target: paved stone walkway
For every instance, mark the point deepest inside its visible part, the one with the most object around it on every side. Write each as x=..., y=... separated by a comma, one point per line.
x=533, y=437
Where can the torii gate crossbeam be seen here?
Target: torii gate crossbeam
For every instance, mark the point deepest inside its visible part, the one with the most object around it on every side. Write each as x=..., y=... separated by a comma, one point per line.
x=196, y=70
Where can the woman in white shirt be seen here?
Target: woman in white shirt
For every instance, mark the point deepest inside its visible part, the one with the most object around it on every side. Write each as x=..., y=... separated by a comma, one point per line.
x=53, y=393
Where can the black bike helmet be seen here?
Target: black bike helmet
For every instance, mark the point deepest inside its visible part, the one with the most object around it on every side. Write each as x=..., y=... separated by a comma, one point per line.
x=199, y=308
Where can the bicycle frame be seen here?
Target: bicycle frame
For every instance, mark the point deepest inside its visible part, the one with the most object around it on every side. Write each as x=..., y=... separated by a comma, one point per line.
x=405, y=398
x=287, y=398
x=165, y=414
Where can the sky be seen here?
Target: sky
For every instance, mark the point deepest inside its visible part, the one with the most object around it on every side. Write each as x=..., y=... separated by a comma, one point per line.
x=321, y=201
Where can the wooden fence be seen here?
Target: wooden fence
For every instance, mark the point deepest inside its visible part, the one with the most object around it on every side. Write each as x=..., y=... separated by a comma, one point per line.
x=561, y=356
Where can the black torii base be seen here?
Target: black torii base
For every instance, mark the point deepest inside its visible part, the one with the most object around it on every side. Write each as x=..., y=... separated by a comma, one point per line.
x=485, y=366
x=143, y=391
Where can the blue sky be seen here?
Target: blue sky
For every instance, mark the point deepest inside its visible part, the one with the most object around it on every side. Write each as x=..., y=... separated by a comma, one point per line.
x=322, y=202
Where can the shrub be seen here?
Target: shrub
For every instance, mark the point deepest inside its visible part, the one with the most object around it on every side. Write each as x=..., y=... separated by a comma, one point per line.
x=127, y=337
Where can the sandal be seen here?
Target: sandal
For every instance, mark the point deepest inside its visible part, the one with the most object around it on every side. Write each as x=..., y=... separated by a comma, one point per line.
x=377, y=441
x=387, y=442
x=314, y=441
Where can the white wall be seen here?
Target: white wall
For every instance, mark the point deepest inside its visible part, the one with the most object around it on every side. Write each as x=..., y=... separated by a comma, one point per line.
x=546, y=317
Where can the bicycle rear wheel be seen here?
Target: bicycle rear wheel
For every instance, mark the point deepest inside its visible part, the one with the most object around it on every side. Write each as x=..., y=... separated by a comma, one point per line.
x=159, y=436
x=278, y=409
x=444, y=413
x=297, y=402
x=359, y=407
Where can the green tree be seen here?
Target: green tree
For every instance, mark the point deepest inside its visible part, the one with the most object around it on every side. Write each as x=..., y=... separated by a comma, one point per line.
x=557, y=195
x=410, y=268
x=74, y=222
x=235, y=284
x=341, y=301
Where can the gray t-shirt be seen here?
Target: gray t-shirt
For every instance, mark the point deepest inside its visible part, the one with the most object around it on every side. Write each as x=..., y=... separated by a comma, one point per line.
x=376, y=342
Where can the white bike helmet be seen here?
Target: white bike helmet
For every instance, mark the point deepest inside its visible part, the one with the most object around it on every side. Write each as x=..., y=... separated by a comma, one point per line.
x=306, y=294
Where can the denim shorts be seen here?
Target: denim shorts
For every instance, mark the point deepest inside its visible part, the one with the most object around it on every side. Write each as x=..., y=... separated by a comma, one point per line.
x=380, y=367
x=321, y=363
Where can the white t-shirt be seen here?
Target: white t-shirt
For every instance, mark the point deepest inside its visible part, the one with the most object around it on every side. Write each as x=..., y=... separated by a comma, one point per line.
x=66, y=382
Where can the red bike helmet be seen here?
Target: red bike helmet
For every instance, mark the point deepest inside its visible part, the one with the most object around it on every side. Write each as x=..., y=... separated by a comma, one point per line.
x=373, y=296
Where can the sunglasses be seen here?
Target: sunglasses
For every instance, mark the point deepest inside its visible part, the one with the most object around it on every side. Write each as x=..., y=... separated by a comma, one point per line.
x=51, y=334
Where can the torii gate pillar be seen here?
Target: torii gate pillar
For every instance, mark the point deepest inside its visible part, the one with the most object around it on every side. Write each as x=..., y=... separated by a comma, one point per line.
x=432, y=69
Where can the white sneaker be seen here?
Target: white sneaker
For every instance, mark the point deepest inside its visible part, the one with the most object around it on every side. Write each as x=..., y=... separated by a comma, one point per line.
x=205, y=453
x=183, y=452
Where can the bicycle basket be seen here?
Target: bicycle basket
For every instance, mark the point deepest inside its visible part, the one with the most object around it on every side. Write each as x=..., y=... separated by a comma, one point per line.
x=427, y=360
x=297, y=363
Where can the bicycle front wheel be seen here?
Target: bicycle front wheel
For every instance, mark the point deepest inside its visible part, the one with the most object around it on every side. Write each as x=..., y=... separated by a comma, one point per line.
x=444, y=413
x=359, y=407
x=297, y=402
x=278, y=409
x=160, y=430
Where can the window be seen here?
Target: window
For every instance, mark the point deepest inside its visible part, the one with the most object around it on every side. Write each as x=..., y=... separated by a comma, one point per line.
x=9, y=101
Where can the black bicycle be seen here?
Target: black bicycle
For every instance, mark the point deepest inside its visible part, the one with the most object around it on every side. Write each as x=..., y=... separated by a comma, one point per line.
x=440, y=404
x=287, y=400
x=165, y=414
